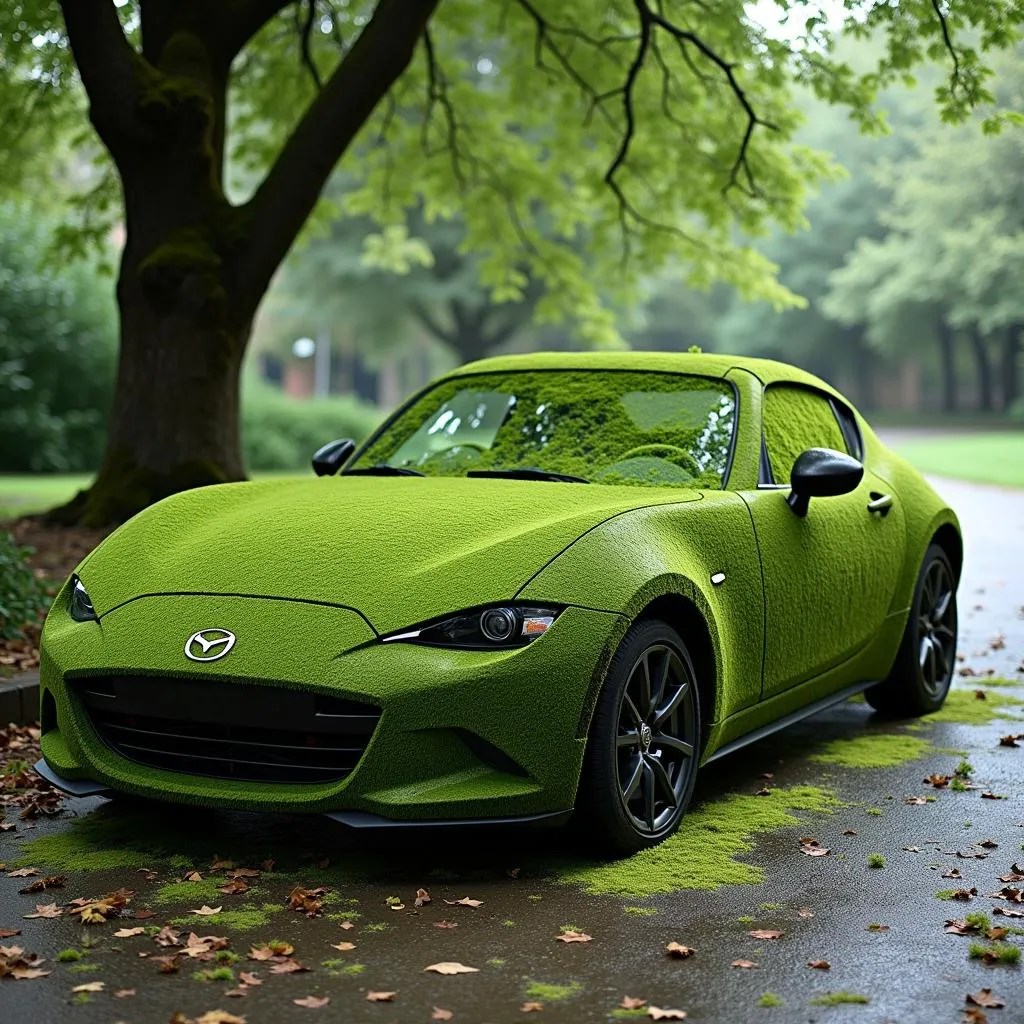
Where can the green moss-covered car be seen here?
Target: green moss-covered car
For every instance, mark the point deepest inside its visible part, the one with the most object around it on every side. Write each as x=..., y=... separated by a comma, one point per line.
x=548, y=584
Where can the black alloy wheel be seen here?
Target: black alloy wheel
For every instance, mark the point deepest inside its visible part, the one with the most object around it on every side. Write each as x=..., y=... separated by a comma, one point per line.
x=923, y=669
x=644, y=744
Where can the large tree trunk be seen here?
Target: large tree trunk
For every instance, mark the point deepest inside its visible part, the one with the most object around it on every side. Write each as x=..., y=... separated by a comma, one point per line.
x=1010, y=370
x=983, y=370
x=194, y=267
x=947, y=366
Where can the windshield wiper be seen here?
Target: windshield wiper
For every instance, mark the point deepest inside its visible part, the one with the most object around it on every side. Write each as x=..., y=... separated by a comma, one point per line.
x=528, y=473
x=383, y=470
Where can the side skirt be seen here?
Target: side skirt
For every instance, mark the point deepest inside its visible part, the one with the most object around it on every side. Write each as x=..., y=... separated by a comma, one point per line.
x=791, y=719
x=363, y=819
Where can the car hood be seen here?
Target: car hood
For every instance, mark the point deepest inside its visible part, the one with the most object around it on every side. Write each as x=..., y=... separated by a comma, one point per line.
x=399, y=550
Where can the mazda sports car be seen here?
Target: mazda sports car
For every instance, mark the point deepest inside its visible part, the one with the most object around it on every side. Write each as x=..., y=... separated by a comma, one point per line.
x=548, y=586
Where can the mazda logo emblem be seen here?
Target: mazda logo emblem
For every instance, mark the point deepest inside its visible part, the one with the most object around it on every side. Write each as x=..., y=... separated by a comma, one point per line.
x=209, y=644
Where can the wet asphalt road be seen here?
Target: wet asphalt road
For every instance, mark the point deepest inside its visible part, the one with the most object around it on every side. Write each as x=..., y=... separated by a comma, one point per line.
x=913, y=972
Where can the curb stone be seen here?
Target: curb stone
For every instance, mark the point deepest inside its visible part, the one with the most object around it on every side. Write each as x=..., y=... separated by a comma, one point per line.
x=19, y=698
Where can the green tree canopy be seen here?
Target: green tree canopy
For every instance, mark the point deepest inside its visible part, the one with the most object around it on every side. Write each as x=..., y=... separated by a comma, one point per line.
x=653, y=130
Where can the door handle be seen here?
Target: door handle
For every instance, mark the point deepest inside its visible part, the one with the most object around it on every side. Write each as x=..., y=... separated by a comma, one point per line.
x=880, y=503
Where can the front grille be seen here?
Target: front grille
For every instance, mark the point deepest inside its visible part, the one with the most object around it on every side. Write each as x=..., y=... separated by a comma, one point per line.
x=226, y=729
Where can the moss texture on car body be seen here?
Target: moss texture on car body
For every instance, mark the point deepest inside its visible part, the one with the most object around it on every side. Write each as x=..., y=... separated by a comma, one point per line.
x=309, y=574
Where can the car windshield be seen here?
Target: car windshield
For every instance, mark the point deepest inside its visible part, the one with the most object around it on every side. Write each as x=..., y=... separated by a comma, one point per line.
x=620, y=427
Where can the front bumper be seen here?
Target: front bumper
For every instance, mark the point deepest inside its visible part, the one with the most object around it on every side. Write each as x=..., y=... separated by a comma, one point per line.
x=462, y=736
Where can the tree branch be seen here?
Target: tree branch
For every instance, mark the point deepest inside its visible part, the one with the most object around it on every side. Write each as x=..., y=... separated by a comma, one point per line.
x=285, y=199
x=306, y=37
x=430, y=322
x=954, y=77
x=105, y=64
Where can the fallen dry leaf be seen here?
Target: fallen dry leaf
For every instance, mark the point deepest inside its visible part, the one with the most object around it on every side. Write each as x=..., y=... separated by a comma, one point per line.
x=674, y=949
x=960, y=926
x=451, y=967
x=531, y=1007
x=747, y=965
x=761, y=933
x=851, y=832
x=812, y=848
x=124, y=993
x=422, y=898
x=1011, y=740
x=821, y=965
x=657, y=1013
x=343, y=947
x=629, y=1003
x=916, y=801
x=44, y=910
x=1008, y=892
x=1016, y=874
x=445, y=924
x=127, y=933
x=938, y=781
x=987, y=794
x=52, y=882
x=312, y=1002
x=380, y=997
x=90, y=986
x=23, y=873
x=805, y=912
x=288, y=966
x=205, y=911
x=219, y=1017
x=465, y=902
x=440, y=1013
x=963, y=894
x=250, y=979
x=952, y=873
x=168, y=964
x=347, y=925
x=571, y=936
x=193, y=876
x=1007, y=912
x=9, y=933
x=988, y=844
x=234, y=887
x=307, y=901
x=874, y=927
x=985, y=998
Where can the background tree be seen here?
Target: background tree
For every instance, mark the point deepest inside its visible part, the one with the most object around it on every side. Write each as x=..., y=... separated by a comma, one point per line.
x=658, y=128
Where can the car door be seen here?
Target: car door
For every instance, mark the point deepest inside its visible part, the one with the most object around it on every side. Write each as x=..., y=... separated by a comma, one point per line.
x=829, y=577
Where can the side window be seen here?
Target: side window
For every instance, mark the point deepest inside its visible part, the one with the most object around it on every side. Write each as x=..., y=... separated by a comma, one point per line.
x=851, y=432
x=796, y=419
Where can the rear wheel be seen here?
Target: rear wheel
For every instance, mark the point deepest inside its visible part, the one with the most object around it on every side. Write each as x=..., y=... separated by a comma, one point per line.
x=644, y=742
x=923, y=670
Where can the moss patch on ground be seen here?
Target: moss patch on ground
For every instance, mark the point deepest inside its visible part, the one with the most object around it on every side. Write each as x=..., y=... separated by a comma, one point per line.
x=874, y=750
x=246, y=918
x=195, y=894
x=702, y=854
x=964, y=708
x=552, y=993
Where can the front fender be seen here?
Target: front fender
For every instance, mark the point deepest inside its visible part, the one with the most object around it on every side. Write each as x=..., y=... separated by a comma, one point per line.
x=634, y=559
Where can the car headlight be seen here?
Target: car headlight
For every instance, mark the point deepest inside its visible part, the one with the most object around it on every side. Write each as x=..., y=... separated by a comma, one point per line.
x=488, y=628
x=80, y=604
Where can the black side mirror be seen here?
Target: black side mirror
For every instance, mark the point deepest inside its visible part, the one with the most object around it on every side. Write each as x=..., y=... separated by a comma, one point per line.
x=822, y=473
x=332, y=456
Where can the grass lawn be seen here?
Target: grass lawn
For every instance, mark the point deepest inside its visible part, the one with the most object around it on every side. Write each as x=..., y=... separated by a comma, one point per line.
x=23, y=494
x=35, y=492
x=991, y=458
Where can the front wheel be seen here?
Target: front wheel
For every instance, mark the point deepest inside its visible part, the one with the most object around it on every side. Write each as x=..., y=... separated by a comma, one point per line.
x=644, y=742
x=923, y=670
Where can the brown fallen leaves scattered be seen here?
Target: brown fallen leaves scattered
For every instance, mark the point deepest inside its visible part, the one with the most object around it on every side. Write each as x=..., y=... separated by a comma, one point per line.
x=205, y=911
x=96, y=910
x=127, y=933
x=1008, y=892
x=812, y=848
x=572, y=936
x=422, y=898
x=915, y=801
x=312, y=1002
x=679, y=952
x=747, y=965
x=52, y=882
x=440, y=1013
x=451, y=967
x=985, y=999
x=761, y=933
x=343, y=947
x=210, y=1017
x=1007, y=912
x=1016, y=874
x=48, y=910
x=307, y=901
x=380, y=997
x=531, y=1007
x=629, y=1003
x=657, y=1013
x=937, y=781
x=90, y=986
x=820, y=965
x=465, y=902
x=15, y=963
x=1011, y=740
x=961, y=926
x=964, y=895
x=23, y=788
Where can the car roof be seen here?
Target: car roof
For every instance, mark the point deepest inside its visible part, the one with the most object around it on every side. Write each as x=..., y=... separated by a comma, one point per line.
x=768, y=371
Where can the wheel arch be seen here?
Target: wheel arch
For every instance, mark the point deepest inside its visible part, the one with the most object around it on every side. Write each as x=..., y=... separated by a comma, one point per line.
x=686, y=619
x=947, y=536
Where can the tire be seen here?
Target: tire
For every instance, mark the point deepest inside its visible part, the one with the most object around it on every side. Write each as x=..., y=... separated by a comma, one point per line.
x=923, y=670
x=644, y=743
